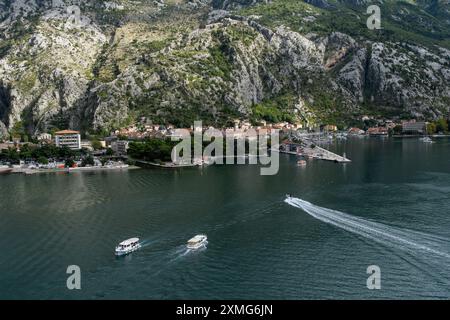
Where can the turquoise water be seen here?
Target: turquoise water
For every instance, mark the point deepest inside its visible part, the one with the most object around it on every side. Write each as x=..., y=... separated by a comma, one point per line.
x=386, y=208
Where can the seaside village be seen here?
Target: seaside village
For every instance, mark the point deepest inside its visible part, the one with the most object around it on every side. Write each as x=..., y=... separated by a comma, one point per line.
x=66, y=150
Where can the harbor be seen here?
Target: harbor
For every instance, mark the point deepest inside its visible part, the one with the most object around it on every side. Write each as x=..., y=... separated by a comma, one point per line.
x=307, y=146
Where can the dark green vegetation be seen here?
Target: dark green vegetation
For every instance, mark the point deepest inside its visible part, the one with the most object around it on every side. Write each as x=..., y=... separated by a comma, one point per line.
x=274, y=110
x=48, y=152
x=152, y=150
x=439, y=126
x=41, y=154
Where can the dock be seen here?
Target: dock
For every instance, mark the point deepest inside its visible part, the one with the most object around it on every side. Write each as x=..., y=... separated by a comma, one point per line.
x=312, y=151
x=323, y=154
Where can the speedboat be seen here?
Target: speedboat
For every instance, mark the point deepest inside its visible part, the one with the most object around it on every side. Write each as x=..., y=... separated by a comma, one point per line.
x=127, y=246
x=197, y=242
x=427, y=140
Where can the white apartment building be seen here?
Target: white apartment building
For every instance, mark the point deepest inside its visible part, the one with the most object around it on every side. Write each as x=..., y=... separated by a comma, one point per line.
x=68, y=138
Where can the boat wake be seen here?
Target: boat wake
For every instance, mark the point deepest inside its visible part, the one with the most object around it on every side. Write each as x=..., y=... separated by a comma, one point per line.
x=147, y=242
x=409, y=240
x=182, y=251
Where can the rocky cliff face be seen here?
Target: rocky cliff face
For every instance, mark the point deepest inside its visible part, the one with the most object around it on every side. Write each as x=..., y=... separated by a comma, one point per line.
x=94, y=65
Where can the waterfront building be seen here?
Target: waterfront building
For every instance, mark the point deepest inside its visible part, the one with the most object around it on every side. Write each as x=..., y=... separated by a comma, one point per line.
x=356, y=131
x=120, y=147
x=110, y=140
x=390, y=124
x=103, y=143
x=414, y=127
x=378, y=131
x=68, y=138
x=44, y=137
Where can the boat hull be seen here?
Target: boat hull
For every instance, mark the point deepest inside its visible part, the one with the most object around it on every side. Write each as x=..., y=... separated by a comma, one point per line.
x=125, y=252
x=198, y=245
x=5, y=171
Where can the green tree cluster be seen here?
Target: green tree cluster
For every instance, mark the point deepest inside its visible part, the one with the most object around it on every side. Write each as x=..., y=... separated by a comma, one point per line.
x=438, y=126
x=88, y=161
x=28, y=152
x=152, y=150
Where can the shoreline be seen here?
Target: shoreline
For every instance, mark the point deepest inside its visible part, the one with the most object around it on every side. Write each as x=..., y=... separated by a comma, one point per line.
x=26, y=171
x=401, y=136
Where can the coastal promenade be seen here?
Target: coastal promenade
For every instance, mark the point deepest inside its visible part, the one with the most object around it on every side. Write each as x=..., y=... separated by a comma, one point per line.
x=167, y=165
x=323, y=154
x=28, y=171
x=311, y=150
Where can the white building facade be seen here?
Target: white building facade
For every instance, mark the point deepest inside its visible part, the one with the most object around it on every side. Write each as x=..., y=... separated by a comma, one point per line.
x=68, y=138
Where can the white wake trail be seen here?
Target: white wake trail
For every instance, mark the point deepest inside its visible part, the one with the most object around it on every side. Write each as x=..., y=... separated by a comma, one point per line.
x=387, y=235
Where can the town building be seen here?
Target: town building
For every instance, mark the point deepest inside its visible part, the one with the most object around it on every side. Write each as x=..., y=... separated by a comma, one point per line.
x=120, y=147
x=330, y=128
x=44, y=137
x=6, y=146
x=414, y=127
x=356, y=131
x=378, y=131
x=85, y=144
x=68, y=138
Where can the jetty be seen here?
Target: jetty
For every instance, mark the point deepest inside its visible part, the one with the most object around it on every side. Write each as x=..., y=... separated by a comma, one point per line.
x=311, y=151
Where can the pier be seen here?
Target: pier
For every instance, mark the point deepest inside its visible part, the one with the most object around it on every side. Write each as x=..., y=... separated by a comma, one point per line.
x=309, y=149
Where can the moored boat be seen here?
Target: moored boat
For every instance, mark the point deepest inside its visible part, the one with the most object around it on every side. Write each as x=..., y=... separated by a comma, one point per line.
x=426, y=140
x=5, y=169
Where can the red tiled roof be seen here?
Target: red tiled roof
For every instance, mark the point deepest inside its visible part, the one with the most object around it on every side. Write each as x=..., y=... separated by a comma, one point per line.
x=63, y=132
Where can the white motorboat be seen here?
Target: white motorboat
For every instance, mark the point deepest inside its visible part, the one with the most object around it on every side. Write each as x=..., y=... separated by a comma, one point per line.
x=127, y=246
x=427, y=140
x=197, y=242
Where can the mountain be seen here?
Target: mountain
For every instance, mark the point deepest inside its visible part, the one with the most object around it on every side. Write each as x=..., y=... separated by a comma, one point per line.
x=99, y=65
